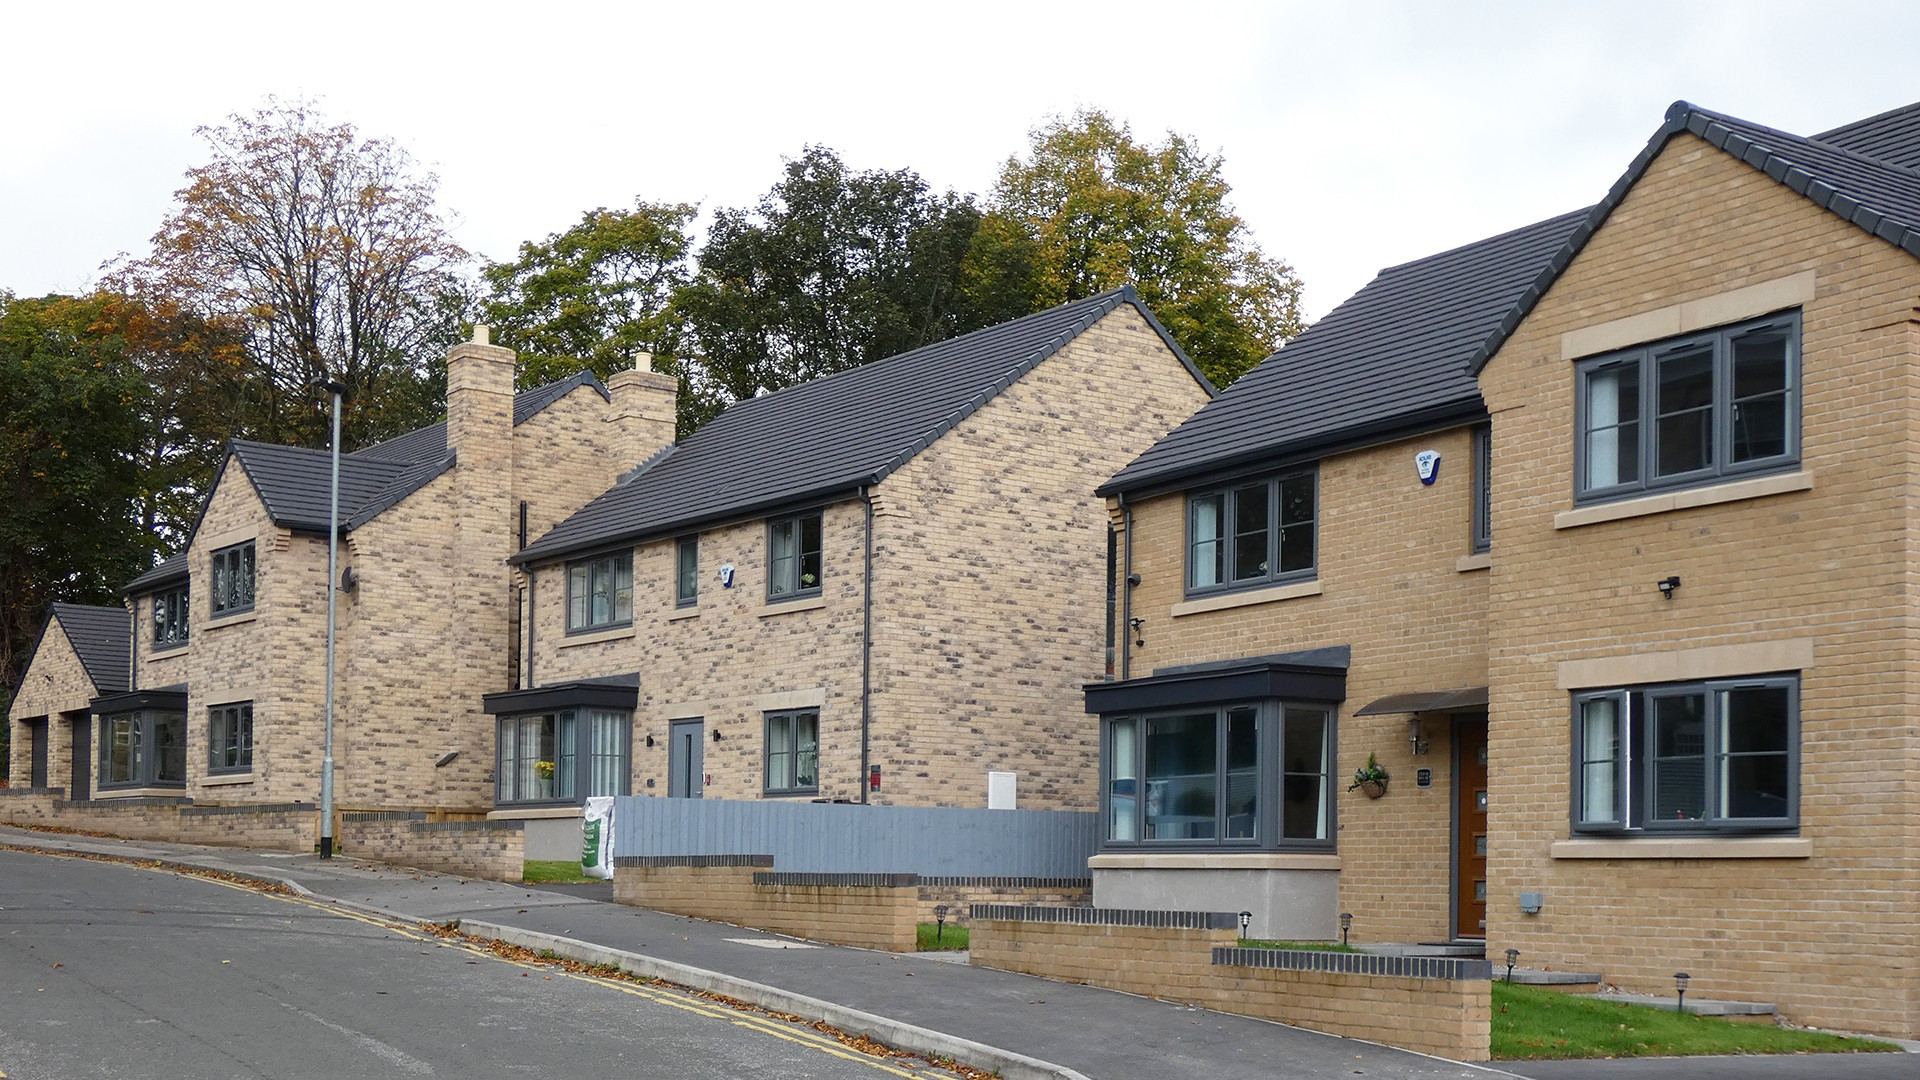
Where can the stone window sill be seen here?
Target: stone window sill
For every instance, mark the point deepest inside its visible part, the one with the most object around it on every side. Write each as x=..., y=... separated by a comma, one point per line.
x=534, y=813
x=597, y=636
x=679, y=614
x=225, y=621
x=1685, y=847
x=1685, y=499
x=787, y=607
x=142, y=793
x=226, y=779
x=1479, y=560
x=1252, y=860
x=1249, y=598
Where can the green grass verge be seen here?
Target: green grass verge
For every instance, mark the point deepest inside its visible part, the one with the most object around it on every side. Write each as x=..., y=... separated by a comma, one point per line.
x=541, y=871
x=1533, y=1022
x=952, y=939
x=1310, y=946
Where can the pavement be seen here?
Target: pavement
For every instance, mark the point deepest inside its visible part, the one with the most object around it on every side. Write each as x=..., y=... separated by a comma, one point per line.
x=934, y=1004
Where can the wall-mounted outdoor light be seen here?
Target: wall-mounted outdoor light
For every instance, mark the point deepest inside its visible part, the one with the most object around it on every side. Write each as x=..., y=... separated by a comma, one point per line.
x=1136, y=623
x=716, y=734
x=1667, y=584
x=1413, y=736
x=1680, y=979
x=1346, y=924
x=1512, y=956
x=649, y=740
x=446, y=759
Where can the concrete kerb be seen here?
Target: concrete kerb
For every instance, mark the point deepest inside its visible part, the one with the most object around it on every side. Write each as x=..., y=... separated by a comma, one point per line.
x=893, y=1033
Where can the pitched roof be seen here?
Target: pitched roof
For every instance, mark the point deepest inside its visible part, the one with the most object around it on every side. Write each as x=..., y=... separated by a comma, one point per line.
x=829, y=437
x=102, y=637
x=1881, y=196
x=1390, y=359
x=424, y=444
x=169, y=570
x=296, y=483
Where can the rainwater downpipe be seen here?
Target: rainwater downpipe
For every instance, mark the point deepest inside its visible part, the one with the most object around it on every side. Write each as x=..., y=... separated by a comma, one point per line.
x=866, y=655
x=1126, y=591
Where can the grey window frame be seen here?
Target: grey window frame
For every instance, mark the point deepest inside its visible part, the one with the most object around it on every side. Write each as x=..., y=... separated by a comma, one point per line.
x=1270, y=718
x=1482, y=538
x=579, y=760
x=686, y=571
x=1646, y=360
x=237, y=750
x=148, y=756
x=1229, y=528
x=791, y=775
x=612, y=562
x=241, y=555
x=790, y=584
x=1634, y=792
x=172, y=619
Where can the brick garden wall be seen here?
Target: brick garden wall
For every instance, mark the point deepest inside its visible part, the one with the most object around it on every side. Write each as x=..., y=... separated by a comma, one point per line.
x=494, y=850
x=1440, y=1007
x=273, y=827
x=1818, y=580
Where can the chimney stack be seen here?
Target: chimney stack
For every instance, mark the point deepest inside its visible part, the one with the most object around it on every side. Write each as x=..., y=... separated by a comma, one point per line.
x=644, y=411
x=480, y=402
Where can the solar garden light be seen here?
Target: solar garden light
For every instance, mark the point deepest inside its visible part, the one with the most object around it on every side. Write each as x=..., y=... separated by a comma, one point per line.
x=1346, y=924
x=939, y=922
x=1512, y=955
x=1680, y=984
x=1246, y=920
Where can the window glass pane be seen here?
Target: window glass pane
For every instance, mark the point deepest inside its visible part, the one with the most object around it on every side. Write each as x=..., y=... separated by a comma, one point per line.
x=218, y=590
x=1613, y=425
x=810, y=552
x=1679, y=756
x=170, y=748
x=1600, y=760
x=1684, y=440
x=123, y=734
x=1122, y=780
x=577, y=597
x=1760, y=395
x=780, y=567
x=1482, y=489
x=504, y=759
x=779, y=753
x=623, y=588
x=565, y=756
x=806, y=750
x=245, y=576
x=1250, y=531
x=600, y=592
x=1243, y=775
x=1296, y=523
x=1303, y=770
x=1755, y=734
x=1203, y=550
x=1181, y=777
x=607, y=767
x=689, y=571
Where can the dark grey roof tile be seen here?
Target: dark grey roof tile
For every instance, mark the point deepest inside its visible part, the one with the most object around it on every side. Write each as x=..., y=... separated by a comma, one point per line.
x=103, y=639
x=167, y=571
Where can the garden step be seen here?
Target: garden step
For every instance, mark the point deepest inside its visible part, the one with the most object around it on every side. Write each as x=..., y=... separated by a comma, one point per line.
x=1470, y=950
x=1552, y=980
x=1732, y=1010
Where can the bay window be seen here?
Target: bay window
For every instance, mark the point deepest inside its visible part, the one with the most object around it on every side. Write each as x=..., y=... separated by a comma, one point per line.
x=563, y=756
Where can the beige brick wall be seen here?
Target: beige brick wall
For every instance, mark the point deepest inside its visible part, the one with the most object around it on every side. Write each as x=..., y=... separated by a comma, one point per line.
x=569, y=453
x=991, y=576
x=1833, y=938
x=268, y=827
x=493, y=850
x=1448, y=1018
x=54, y=685
x=1391, y=588
x=867, y=917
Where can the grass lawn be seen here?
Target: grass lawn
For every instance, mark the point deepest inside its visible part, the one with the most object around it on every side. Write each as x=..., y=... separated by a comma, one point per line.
x=953, y=938
x=1310, y=946
x=1532, y=1022
x=539, y=871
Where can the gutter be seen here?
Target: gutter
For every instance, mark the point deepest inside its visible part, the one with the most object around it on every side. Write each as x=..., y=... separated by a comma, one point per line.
x=866, y=655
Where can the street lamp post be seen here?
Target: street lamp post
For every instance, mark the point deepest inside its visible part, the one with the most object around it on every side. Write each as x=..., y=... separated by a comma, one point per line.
x=338, y=390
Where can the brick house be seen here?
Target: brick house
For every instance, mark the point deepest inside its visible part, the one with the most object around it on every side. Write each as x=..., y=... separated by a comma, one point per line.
x=225, y=699
x=885, y=585
x=81, y=654
x=1636, y=655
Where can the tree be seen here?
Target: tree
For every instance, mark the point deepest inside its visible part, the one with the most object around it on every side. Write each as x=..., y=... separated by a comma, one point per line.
x=832, y=269
x=1090, y=209
x=327, y=249
x=595, y=294
x=73, y=408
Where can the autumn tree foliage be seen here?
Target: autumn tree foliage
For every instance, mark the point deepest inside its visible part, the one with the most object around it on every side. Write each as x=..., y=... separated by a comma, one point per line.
x=1089, y=208
x=325, y=252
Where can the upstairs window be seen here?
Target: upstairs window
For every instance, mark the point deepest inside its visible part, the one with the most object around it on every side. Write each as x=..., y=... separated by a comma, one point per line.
x=1719, y=756
x=232, y=580
x=600, y=593
x=1690, y=411
x=686, y=589
x=1252, y=534
x=793, y=556
x=1482, y=489
x=170, y=618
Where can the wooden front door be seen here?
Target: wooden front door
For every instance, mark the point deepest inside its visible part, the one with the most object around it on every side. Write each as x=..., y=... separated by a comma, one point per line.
x=1470, y=817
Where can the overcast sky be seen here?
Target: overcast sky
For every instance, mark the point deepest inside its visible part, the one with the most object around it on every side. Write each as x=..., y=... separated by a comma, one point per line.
x=1356, y=135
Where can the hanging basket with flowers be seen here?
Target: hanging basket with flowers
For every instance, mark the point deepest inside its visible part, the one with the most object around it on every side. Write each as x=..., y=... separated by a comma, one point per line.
x=1370, y=779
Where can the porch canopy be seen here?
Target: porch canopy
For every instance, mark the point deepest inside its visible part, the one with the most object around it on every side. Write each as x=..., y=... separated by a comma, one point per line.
x=610, y=692
x=1308, y=675
x=1472, y=697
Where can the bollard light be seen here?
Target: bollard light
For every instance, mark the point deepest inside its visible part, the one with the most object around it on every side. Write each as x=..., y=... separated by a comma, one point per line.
x=1246, y=920
x=1512, y=956
x=939, y=922
x=1346, y=924
x=1680, y=984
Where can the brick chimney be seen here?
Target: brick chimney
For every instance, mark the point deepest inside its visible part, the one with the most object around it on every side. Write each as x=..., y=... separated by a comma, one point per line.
x=480, y=433
x=644, y=410
x=480, y=401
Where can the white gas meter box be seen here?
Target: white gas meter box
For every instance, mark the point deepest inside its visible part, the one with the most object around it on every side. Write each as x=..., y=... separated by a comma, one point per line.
x=1002, y=790
x=596, y=838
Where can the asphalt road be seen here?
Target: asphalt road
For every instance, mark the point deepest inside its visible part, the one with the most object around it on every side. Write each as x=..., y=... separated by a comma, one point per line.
x=110, y=970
